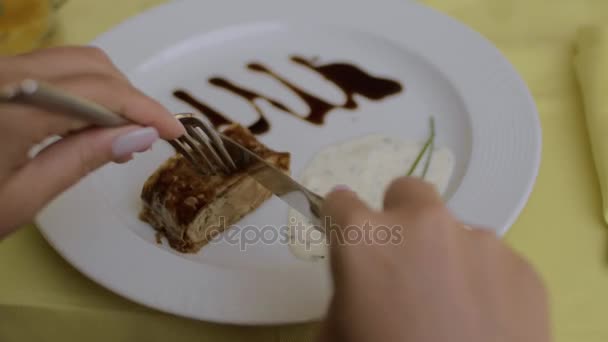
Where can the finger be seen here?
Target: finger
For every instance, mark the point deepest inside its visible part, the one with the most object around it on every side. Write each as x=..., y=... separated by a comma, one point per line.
x=343, y=208
x=65, y=60
x=32, y=125
x=408, y=193
x=120, y=97
x=25, y=127
x=35, y=124
x=67, y=161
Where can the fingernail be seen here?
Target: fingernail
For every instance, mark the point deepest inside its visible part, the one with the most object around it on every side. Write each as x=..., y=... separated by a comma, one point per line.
x=138, y=140
x=341, y=187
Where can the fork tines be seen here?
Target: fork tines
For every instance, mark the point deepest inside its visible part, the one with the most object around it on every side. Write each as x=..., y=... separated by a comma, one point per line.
x=203, y=147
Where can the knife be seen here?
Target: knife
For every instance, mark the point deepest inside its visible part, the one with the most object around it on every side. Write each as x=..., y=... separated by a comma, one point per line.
x=278, y=182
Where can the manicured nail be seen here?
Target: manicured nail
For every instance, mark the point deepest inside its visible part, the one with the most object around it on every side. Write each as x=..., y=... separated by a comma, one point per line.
x=341, y=187
x=138, y=140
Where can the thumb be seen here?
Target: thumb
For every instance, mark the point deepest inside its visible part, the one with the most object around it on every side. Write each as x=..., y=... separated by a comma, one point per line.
x=343, y=213
x=342, y=207
x=65, y=162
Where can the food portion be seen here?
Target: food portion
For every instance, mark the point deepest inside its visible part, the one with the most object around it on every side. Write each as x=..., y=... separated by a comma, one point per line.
x=367, y=165
x=189, y=208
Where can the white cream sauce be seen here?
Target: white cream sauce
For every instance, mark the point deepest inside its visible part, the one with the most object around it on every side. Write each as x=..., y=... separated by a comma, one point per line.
x=367, y=165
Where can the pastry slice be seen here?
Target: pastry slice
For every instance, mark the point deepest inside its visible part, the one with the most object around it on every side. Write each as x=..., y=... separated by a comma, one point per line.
x=190, y=209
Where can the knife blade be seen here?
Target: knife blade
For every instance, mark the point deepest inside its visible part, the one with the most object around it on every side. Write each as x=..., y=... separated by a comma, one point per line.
x=279, y=183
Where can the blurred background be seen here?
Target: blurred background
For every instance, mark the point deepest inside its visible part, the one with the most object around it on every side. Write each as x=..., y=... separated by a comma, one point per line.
x=29, y=24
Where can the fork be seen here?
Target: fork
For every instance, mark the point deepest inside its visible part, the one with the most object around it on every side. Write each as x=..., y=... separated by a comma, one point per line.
x=201, y=145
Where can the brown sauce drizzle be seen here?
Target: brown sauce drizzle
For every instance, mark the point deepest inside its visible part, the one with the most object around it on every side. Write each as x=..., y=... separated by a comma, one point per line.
x=349, y=78
x=216, y=118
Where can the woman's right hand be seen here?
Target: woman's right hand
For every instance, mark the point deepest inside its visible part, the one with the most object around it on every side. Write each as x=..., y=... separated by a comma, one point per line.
x=435, y=281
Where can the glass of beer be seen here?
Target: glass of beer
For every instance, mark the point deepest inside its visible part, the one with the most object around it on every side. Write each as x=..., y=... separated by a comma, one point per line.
x=25, y=24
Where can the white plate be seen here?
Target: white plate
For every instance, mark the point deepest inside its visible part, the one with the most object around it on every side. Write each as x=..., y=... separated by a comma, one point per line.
x=483, y=110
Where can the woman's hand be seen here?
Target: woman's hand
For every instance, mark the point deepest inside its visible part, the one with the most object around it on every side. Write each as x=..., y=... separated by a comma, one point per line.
x=27, y=184
x=435, y=281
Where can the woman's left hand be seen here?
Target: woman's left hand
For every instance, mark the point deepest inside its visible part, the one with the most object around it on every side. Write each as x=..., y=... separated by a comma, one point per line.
x=28, y=184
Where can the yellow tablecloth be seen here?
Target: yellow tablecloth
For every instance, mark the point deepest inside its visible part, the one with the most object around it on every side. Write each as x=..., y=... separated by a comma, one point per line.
x=561, y=230
x=591, y=65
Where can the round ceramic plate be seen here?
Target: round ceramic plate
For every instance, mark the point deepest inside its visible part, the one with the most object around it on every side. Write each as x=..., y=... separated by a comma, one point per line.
x=483, y=112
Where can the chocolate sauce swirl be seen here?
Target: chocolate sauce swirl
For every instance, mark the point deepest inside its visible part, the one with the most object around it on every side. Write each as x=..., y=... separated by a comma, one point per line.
x=350, y=79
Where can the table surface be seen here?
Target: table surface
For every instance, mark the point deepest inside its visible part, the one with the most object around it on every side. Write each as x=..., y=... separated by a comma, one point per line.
x=560, y=231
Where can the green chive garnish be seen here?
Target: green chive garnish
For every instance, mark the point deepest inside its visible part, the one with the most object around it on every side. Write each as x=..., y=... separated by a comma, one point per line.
x=429, y=156
x=426, y=146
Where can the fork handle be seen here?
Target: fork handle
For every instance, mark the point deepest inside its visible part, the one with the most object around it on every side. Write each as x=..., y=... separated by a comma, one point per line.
x=31, y=92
